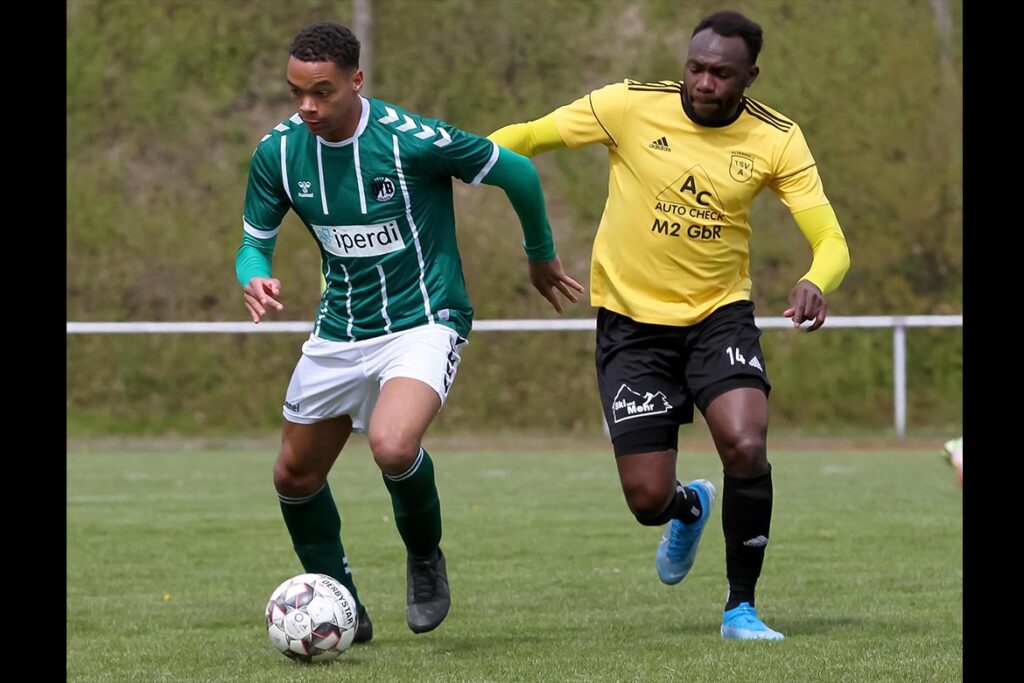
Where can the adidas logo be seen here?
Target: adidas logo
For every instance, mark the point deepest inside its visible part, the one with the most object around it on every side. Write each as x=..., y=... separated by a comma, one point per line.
x=756, y=542
x=661, y=144
x=755, y=363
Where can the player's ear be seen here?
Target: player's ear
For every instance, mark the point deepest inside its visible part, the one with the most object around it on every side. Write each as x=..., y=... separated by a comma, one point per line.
x=752, y=75
x=357, y=80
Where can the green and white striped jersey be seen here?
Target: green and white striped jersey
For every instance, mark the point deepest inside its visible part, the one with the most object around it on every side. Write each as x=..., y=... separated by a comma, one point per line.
x=379, y=206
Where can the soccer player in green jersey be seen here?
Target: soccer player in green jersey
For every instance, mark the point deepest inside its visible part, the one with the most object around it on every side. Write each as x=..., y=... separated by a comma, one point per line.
x=371, y=182
x=670, y=278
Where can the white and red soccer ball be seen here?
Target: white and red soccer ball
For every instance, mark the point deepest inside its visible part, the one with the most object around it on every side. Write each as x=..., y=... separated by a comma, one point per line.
x=311, y=618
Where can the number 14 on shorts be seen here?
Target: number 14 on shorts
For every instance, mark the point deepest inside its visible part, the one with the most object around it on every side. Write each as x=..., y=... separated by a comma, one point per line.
x=735, y=357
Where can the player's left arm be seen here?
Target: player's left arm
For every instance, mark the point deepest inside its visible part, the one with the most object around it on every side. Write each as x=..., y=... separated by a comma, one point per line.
x=799, y=186
x=831, y=260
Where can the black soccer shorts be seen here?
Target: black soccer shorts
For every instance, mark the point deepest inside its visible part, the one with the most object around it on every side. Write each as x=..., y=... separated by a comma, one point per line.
x=651, y=376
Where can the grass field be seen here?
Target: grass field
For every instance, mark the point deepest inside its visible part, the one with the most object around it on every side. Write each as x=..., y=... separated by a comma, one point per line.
x=171, y=557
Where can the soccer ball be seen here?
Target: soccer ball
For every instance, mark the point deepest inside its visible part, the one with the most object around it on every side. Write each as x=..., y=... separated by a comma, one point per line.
x=312, y=618
x=954, y=452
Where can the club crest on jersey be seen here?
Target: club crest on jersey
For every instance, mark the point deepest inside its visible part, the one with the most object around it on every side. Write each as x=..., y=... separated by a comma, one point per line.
x=741, y=168
x=383, y=188
x=304, y=186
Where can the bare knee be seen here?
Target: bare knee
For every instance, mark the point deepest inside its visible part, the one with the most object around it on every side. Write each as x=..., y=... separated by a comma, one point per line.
x=744, y=455
x=299, y=470
x=647, y=499
x=292, y=479
x=394, y=453
x=648, y=482
x=308, y=452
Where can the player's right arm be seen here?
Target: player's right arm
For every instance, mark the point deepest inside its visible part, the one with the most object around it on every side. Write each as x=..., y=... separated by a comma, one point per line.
x=595, y=117
x=266, y=203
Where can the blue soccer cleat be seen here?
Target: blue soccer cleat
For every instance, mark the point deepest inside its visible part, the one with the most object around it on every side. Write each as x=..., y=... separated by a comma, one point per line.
x=741, y=623
x=678, y=547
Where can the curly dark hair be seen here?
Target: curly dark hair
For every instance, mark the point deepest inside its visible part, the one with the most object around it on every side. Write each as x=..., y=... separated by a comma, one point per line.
x=326, y=42
x=728, y=23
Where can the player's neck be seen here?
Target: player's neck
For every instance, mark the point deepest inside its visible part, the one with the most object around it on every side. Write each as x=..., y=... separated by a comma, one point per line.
x=351, y=124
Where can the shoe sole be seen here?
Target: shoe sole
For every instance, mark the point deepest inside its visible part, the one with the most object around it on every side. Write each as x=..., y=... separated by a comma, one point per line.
x=425, y=628
x=744, y=634
x=430, y=627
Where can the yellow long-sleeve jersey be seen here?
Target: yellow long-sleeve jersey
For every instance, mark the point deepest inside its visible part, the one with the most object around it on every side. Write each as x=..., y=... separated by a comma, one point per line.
x=673, y=244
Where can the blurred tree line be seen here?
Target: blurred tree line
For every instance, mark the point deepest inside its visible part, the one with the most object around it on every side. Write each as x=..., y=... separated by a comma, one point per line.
x=166, y=101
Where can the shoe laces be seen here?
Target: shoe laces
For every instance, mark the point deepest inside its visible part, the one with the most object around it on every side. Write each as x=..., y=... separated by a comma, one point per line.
x=424, y=580
x=677, y=534
x=745, y=616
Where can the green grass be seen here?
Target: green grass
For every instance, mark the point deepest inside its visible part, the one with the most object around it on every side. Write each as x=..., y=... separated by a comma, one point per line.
x=172, y=555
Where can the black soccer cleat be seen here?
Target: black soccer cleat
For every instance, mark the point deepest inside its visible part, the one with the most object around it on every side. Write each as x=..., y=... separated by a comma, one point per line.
x=428, y=598
x=364, y=631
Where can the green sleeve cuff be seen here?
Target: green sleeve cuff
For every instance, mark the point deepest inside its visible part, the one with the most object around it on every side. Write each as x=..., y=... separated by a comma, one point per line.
x=254, y=258
x=542, y=253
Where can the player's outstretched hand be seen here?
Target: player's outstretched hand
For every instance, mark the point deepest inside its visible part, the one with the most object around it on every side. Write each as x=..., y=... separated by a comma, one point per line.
x=806, y=302
x=261, y=292
x=549, y=278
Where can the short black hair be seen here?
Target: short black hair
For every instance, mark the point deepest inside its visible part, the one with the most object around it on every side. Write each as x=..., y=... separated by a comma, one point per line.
x=326, y=42
x=728, y=23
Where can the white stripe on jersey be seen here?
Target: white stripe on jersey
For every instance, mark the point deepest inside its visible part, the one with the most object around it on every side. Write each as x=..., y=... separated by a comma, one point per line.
x=284, y=167
x=412, y=226
x=320, y=169
x=260, y=234
x=488, y=166
x=384, y=301
x=354, y=140
x=359, y=177
x=348, y=301
x=323, y=307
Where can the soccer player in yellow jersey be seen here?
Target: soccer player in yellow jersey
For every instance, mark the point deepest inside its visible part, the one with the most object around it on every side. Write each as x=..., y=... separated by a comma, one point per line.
x=670, y=278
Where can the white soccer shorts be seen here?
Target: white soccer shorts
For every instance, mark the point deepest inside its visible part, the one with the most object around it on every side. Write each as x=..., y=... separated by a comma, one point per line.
x=344, y=378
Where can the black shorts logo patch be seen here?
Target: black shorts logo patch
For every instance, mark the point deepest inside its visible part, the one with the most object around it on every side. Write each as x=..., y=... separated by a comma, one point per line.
x=629, y=404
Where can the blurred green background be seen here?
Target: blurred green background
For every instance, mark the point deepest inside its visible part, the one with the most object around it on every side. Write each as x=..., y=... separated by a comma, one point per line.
x=167, y=100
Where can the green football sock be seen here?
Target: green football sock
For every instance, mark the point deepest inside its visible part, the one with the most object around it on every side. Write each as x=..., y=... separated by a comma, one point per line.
x=315, y=528
x=416, y=505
